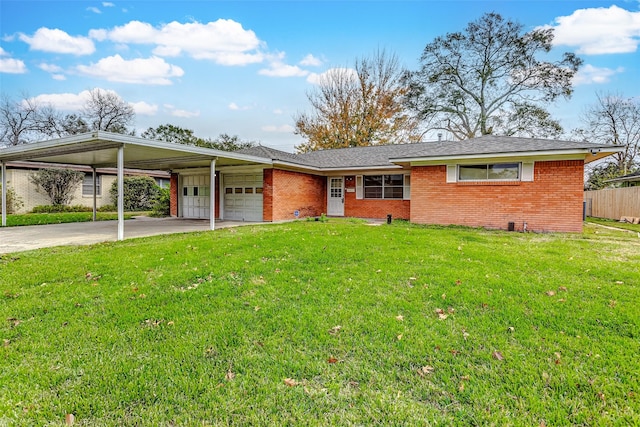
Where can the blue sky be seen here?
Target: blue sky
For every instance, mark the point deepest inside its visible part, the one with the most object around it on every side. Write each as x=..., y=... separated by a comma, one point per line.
x=245, y=67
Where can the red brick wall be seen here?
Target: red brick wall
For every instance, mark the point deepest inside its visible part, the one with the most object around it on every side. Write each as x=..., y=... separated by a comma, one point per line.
x=552, y=202
x=267, y=195
x=173, y=191
x=285, y=192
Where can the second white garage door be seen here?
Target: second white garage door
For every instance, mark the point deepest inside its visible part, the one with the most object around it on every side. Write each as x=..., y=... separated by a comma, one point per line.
x=243, y=197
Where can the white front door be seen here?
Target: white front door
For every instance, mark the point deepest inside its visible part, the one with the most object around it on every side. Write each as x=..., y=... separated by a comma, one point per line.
x=335, y=202
x=195, y=196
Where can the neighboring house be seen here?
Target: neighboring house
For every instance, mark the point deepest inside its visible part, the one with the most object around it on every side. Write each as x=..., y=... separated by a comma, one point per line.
x=494, y=182
x=18, y=174
x=490, y=181
x=631, y=180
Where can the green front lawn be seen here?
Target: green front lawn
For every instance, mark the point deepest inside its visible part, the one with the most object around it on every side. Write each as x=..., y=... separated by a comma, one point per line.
x=325, y=323
x=614, y=223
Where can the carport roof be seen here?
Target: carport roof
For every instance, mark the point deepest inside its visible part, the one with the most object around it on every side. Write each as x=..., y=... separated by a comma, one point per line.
x=99, y=149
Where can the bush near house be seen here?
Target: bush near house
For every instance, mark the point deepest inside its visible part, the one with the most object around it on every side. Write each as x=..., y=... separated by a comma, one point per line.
x=14, y=202
x=162, y=206
x=140, y=193
x=58, y=184
x=60, y=209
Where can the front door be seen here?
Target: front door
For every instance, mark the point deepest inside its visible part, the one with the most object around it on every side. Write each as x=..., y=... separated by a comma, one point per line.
x=335, y=202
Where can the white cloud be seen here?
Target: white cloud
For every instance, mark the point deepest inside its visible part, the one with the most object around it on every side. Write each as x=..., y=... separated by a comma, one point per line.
x=280, y=69
x=279, y=129
x=599, y=30
x=49, y=68
x=11, y=65
x=58, y=77
x=107, y=4
x=94, y=9
x=310, y=61
x=278, y=111
x=144, y=109
x=223, y=41
x=317, y=79
x=185, y=113
x=595, y=75
x=57, y=41
x=64, y=101
x=236, y=107
x=151, y=71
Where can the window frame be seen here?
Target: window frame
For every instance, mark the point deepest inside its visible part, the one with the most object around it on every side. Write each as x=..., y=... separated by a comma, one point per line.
x=487, y=166
x=89, y=186
x=384, y=186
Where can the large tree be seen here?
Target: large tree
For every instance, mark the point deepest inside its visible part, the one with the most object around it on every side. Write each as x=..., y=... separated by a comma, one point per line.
x=106, y=110
x=614, y=120
x=358, y=107
x=489, y=79
x=58, y=184
x=179, y=135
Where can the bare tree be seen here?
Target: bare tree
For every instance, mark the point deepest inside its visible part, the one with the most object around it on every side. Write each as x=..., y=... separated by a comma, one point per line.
x=489, y=79
x=18, y=121
x=614, y=120
x=358, y=108
x=106, y=110
x=58, y=184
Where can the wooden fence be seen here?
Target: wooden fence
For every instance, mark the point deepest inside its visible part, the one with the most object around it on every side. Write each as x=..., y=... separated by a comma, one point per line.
x=613, y=203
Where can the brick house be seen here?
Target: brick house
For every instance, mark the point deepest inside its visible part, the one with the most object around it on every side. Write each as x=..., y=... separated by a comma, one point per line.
x=493, y=182
x=490, y=181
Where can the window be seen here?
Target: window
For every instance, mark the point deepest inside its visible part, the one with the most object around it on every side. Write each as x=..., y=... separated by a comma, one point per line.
x=87, y=185
x=383, y=186
x=489, y=172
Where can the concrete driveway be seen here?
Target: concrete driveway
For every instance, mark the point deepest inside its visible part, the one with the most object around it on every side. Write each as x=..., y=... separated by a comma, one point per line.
x=16, y=239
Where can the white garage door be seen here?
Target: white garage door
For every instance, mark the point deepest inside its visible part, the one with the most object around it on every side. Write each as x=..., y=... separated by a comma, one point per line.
x=195, y=196
x=243, y=197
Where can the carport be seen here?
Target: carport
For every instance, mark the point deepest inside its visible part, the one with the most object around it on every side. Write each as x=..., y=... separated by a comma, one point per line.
x=108, y=150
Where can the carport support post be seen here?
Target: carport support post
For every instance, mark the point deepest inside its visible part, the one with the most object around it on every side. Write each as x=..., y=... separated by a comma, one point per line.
x=95, y=204
x=4, y=195
x=212, y=195
x=121, y=192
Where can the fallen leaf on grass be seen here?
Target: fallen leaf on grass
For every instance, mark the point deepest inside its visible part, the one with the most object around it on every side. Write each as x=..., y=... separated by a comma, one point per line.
x=601, y=396
x=425, y=370
x=441, y=314
x=497, y=355
x=229, y=375
x=550, y=293
x=562, y=288
x=399, y=337
x=612, y=303
x=619, y=282
x=461, y=387
x=14, y=322
x=6, y=342
x=335, y=330
x=332, y=360
x=69, y=419
x=400, y=317
x=511, y=329
x=291, y=382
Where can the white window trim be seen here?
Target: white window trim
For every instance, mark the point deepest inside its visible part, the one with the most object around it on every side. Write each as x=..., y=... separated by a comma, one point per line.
x=406, y=186
x=525, y=172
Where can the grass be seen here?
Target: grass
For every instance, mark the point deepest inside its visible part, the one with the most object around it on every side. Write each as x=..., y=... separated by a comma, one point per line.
x=325, y=323
x=614, y=223
x=59, y=218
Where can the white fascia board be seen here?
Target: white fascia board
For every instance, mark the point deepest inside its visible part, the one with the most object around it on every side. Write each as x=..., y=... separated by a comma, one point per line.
x=126, y=140
x=572, y=154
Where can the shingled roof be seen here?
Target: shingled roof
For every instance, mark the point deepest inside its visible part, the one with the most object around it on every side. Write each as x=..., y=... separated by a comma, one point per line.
x=385, y=155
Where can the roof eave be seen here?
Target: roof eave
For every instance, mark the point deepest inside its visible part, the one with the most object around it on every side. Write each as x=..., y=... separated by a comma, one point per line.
x=588, y=154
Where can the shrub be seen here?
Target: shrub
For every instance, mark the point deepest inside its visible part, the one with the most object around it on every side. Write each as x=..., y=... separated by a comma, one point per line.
x=140, y=193
x=162, y=205
x=108, y=208
x=14, y=202
x=58, y=184
x=60, y=209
